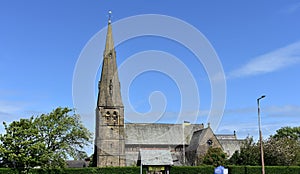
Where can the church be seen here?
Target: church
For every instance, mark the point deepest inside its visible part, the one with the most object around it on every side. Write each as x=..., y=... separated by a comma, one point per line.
x=132, y=144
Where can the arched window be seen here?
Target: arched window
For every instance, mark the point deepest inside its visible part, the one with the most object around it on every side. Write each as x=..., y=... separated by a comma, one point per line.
x=115, y=116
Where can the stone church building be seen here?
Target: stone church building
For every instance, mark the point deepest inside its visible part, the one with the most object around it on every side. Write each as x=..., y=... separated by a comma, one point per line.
x=120, y=144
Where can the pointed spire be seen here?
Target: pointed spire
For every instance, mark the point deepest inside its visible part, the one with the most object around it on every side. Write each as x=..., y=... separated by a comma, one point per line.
x=109, y=45
x=109, y=85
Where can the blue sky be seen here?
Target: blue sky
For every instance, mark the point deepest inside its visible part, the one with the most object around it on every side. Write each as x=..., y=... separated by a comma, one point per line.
x=258, y=44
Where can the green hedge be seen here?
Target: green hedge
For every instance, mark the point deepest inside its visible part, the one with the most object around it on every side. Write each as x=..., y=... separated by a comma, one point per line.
x=268, y=169
x=174, y=170
x=90, y=170
x=237, y=169
x=192, y=170
x=6, y=171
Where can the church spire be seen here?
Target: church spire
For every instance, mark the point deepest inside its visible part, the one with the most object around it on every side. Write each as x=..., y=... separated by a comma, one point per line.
x=109, y=86
x=109, y=45
x=110, y=130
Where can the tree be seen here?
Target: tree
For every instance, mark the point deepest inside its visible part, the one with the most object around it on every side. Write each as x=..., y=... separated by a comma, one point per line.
x=45, y=141
x=235, y=159
x=20, y=147
x=288, y=132
x=281, y=151
x=63, y=135
x=283, y=148
x=249, y=154
x=214, y=156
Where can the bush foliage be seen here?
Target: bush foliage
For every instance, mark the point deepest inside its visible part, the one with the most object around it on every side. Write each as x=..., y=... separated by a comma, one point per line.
x=174, y=170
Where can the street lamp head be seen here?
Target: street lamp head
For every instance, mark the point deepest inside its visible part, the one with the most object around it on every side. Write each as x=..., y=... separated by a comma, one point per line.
x=263, y=96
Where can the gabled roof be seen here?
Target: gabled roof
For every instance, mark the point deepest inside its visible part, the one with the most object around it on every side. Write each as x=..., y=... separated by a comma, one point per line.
x=197, y=139
x=156, y=157
x=201, y=138
x=76, y=163
x=160, y=134
x=226, y=136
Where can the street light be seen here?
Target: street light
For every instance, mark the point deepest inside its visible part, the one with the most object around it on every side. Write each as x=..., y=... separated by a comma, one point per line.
x=260, y=137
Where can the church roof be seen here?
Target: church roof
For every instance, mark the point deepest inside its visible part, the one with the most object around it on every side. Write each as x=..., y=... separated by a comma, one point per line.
x=76, y=163
x=198, y=137
x=159, y=134
x=156, y=157
x=226, y=136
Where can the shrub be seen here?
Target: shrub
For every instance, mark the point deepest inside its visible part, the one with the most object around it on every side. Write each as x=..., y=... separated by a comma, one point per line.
x=174, y=170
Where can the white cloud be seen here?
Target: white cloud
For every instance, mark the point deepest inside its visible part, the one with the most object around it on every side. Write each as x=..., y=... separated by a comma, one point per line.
x=9, y=107
x=291, y=8
x=8, y=110
x=270, y=62
x=251, y=129
x=283, y=111
x=13, y=110
x=273, y=117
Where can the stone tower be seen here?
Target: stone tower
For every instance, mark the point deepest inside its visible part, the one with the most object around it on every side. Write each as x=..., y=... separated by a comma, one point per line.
x=110, y=135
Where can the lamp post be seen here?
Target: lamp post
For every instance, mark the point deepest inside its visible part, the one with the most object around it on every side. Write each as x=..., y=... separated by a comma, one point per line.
x=183, y=145
x=260, y=136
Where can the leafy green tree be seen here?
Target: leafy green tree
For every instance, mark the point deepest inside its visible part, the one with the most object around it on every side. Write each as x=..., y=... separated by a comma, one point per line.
x=20, y=147
x=63, y=134
x=235, y=159
x=45, y=141
x=81, y=155
x=283, y=148
x=214, y=156
x=281, y=151
x=288, y=132
x=249, y=154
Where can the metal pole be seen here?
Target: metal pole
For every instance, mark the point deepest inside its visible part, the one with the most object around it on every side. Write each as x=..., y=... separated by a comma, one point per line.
x=183, y=146
x=260, y=137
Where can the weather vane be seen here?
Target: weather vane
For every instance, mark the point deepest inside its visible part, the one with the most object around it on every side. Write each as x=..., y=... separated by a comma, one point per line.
x=109, y=16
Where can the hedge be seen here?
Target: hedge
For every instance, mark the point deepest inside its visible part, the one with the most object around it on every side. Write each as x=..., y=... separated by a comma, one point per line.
x=6, y=171
x=88, y=170
x=192, y=170
x=268, y=169
x=237, y=170
x=174, y=170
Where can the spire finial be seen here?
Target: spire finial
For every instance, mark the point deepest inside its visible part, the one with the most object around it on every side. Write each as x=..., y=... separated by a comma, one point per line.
x=109, y=16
